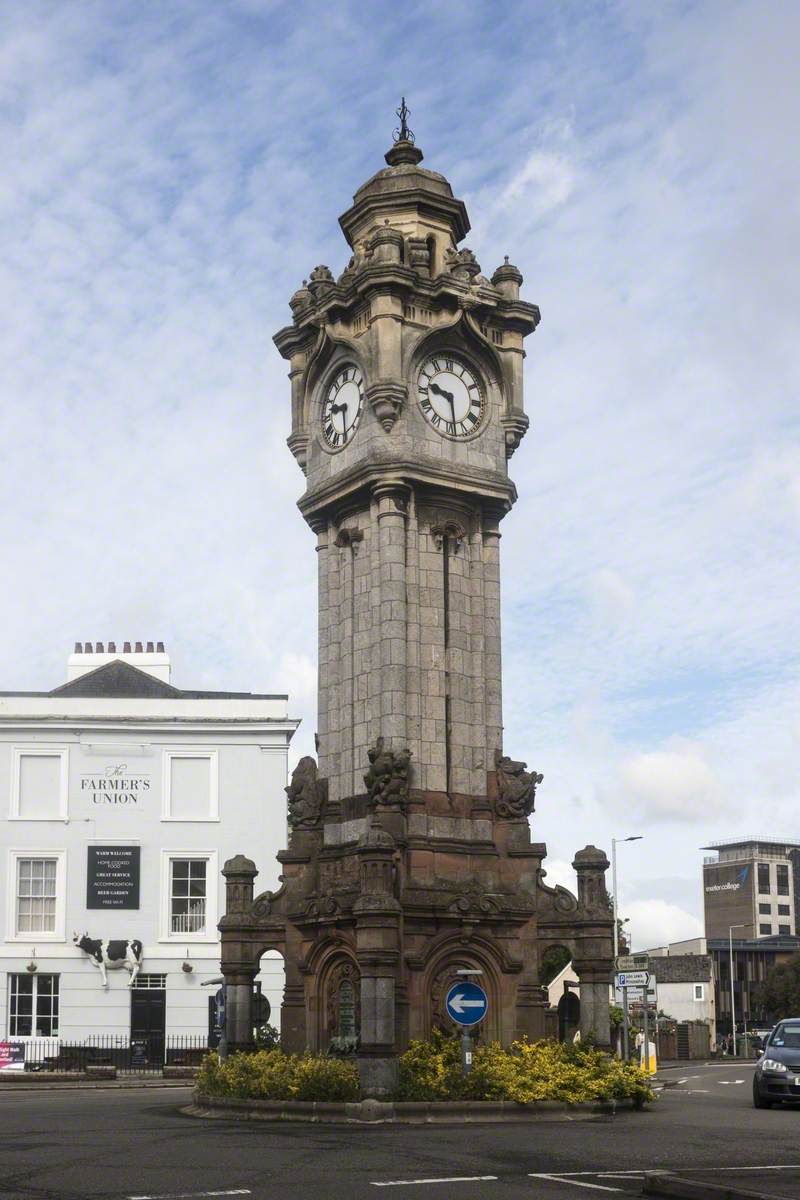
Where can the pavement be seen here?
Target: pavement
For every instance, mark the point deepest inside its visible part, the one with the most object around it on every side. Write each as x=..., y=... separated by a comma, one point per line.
x=135, y=1144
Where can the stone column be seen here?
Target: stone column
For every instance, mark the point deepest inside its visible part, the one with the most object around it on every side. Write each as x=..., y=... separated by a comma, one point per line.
x=391, y=498
x=378, y=915
x=323, y=642
x=237, y=966
x=594, y=960
x=492, y=659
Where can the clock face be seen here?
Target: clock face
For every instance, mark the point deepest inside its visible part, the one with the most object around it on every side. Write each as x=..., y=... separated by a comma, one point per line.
x=341, y=406
x=450, y=396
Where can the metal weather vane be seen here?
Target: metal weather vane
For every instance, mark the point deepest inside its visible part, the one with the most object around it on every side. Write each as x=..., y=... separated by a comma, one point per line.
x=403, y=134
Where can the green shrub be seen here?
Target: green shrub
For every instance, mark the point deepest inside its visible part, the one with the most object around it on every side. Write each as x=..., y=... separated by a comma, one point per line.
x=528, y=1072
x=273, y=1075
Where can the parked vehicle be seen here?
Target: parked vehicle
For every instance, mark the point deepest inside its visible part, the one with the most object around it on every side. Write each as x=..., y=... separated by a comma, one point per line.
x=777, y=1074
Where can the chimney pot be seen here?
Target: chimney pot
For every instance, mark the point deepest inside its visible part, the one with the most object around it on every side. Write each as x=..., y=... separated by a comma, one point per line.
x=78, y=647
x=98, y=647
x=126, y=648
x=139, y=648
x=87, y=648
x=149, y=647
x=112, y=647
x=160, y=647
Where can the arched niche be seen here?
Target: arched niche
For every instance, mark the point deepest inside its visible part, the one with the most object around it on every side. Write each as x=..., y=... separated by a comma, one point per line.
x=441, y=973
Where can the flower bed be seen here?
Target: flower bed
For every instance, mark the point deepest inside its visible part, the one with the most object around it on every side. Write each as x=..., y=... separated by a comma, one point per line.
x=528, y=1072
x=273, y=1075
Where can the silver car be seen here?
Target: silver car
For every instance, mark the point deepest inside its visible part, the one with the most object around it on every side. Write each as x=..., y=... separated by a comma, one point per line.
x=777, y=1073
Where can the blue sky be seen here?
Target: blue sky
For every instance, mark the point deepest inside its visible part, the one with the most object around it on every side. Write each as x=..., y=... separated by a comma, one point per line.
x=173, y=171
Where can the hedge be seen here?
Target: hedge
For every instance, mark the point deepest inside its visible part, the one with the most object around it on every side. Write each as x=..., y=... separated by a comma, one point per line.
x=273, y=1075
x=529, y=1071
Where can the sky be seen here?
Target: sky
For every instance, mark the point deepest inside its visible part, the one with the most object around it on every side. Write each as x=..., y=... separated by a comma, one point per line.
x=173, y=171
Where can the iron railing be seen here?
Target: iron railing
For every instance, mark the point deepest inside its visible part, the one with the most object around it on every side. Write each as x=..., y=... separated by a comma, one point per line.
x=145, y=1055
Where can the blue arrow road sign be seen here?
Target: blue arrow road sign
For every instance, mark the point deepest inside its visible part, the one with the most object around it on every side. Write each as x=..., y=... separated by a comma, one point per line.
x=467, y=1003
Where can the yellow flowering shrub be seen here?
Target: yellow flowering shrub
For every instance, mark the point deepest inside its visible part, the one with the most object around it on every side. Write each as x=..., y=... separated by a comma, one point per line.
x=273, y=1075
x=528, y=1072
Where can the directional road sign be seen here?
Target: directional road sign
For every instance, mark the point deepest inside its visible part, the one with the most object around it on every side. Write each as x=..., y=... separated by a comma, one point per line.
x=633, y=979
x=633, y=962
x=467, y=1003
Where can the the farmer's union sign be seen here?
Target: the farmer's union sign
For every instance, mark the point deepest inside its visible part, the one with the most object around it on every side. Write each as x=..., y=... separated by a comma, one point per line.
x=115, y=785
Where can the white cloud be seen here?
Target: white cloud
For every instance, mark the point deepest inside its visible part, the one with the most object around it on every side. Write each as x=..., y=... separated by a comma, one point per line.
x=559, y=873
x=544, y=182
x=656, y=923
x=676, y=784
x=613, y=598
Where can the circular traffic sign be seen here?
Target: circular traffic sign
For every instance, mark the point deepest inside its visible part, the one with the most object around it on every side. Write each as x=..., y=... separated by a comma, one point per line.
x=467, y=1003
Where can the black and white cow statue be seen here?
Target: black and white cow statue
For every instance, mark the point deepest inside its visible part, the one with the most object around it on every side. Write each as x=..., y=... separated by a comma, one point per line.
x=111, y=954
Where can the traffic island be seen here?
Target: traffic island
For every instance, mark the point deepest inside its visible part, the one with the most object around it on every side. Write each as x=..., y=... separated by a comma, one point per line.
x=434, y=1081
x=381, y=1112
x=681, y=1188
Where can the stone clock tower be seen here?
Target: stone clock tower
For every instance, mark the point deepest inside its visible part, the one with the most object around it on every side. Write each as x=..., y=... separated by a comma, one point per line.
x=410, y=854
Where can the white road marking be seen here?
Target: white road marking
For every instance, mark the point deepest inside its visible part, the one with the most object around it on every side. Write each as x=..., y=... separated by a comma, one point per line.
x=725, y=1082
x=598, y=1187
x=193, y=1195
x=780, y=1167
x=410, y=1182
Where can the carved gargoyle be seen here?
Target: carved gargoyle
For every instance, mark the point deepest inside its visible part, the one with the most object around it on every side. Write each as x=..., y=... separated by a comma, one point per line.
x=461, y=264
x=516, y=787
x=387, y=777
x=306, y=794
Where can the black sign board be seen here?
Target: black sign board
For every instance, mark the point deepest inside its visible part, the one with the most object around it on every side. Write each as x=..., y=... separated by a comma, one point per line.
x=112, y=877
x=138, y=1052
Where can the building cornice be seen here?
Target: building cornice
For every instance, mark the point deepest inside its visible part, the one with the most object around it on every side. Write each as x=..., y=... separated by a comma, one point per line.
x=490, y=486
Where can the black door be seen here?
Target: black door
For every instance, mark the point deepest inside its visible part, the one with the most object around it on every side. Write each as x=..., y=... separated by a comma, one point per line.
x=148, y=1025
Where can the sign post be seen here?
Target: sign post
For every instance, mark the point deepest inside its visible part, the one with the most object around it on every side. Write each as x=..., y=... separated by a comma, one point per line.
x=466, y=1004
x=626, y=1039
x=220, y=999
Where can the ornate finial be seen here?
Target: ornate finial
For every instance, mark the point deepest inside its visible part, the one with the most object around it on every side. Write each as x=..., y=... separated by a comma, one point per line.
x=403, y=134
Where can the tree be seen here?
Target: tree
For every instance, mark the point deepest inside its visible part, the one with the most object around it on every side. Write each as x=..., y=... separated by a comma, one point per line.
x=554, y=959
x=779, y=995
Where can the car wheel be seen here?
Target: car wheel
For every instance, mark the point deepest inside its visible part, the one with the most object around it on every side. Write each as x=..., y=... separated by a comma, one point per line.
x=758, y=1099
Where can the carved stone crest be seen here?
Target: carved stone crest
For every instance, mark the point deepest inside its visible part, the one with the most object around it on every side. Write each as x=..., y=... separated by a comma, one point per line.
x=387, y=776
x=306, y=794
x=516, y=787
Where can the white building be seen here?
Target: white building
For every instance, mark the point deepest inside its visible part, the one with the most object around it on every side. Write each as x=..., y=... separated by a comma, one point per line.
x=121, y=796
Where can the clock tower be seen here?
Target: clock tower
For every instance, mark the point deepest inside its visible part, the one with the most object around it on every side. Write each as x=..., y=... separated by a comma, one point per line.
x=410, y=855
x=406, y=407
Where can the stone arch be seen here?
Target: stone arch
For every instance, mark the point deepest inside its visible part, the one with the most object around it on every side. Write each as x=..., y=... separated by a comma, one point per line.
x=270, y=982
x=569, y=1016
x=327, y=353
x=549, y=952
x=332, y=965
x=448, y=337
x=440, y=973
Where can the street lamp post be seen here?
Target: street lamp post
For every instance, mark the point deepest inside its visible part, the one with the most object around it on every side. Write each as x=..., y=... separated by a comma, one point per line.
x=741, y=925
x=636, y=838
x=625, y=1041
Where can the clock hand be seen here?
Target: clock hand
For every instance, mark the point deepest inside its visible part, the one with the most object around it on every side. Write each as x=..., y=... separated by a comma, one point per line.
x=441, y=392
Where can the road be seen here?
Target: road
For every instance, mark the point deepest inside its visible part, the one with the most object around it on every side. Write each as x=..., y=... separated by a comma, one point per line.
x=121, y=1144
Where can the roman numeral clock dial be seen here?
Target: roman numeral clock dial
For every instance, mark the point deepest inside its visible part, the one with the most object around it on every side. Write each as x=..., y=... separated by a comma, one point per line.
x=450, y=396
x=341, y=407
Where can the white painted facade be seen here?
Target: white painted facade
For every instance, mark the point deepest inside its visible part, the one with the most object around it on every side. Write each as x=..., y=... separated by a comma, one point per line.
x=184, y=778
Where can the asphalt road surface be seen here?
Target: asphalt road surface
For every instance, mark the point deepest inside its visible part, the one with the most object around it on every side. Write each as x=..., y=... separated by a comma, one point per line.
x=136, y=1144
